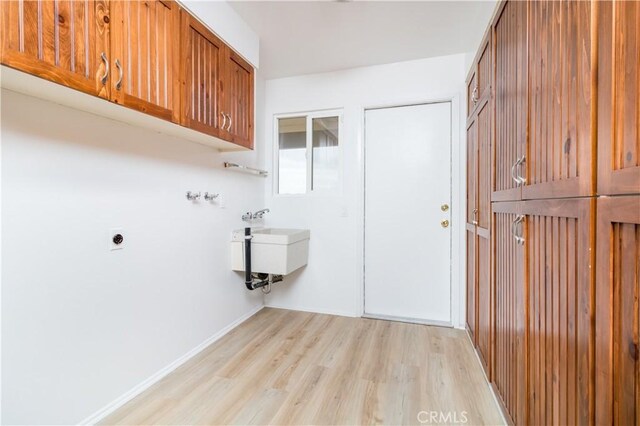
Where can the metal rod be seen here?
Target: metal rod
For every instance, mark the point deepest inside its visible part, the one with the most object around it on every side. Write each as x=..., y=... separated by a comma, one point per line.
x=229, y=165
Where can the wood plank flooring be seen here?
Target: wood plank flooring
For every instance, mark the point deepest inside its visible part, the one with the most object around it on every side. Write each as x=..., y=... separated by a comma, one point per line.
x=289, y=367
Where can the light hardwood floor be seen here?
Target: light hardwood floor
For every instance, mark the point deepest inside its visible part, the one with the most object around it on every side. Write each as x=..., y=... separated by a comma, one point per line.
x=288, y=367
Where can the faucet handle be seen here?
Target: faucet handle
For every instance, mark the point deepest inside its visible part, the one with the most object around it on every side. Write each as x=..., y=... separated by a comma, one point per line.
x=193, y=196
x=210, y=197
x=247, y=216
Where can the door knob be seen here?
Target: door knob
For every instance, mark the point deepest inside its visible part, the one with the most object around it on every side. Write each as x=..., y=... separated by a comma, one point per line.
x=445, y=223
x=444, y=207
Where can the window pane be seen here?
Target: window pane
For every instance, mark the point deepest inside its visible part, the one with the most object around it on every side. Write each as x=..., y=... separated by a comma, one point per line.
x=292, y=159
x=326, y=161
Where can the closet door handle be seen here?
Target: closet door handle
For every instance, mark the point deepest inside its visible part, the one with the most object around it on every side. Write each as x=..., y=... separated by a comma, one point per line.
x=104, y=58
x=514, y=229
x=474, y=95
x=120, y=74
x=475, y=215
x=521, y=161
x=224, y=120
x=515, y=178
x=230, y=122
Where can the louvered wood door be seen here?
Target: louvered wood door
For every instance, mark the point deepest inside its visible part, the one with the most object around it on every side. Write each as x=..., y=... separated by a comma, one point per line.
x=618, y=312
x=510, y=86
x=145, y=45
x=559, y=284
x=237, y=93
x=483, y=218
x=58, y=40
x=618, y=94
x=509, y=357
x=560, y=148
x=201, y=72
x=471, y=306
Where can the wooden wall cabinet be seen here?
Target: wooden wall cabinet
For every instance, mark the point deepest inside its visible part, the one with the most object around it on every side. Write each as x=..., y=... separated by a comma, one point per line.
x=479, y=289
x=617, y=311
x=510, y=82
x=64, y=41
x=148, y=55
x=618, y=94
x=145, y=56
x=560, y=145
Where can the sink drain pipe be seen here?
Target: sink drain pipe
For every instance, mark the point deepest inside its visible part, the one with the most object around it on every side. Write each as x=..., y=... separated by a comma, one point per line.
x=263, y=279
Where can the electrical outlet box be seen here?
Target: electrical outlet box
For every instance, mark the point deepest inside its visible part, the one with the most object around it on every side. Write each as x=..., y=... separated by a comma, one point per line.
x=117, y=239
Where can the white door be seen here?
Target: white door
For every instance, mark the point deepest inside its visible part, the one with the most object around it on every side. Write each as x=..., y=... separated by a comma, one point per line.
x=407, y=183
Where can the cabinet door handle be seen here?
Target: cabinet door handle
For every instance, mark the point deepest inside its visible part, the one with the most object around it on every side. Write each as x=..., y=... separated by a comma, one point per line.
x=514, y=229
x=230, y=121
x=103, y=79
x=224, y=120
x=515, y=178
x=474, y=95
x=120, y=74
x=475, y=215
x=521, y=161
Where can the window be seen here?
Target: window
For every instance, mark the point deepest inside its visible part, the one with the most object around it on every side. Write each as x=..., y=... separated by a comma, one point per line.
x=308, y=153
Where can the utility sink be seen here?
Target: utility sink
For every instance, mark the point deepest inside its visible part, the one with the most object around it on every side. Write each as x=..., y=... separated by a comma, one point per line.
x=278, y=251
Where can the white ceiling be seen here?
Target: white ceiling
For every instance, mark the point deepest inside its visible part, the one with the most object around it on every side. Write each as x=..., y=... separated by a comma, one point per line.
x=303, y=37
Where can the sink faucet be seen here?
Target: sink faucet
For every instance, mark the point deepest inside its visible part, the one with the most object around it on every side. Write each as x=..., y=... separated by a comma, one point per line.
x=257, y=215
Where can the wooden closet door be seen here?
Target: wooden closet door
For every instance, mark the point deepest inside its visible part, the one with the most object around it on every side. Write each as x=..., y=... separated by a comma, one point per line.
x=471, y=306
x=510, y=86
x=560, y=150
x=202, y=57
x=237, y=91
x=618, y=94
x=618, y=313
x=58, y=40
x=145, y=56
x=509, y=357
x=558, y=242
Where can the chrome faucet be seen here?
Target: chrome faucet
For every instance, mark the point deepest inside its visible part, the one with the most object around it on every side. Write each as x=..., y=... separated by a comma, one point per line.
x=257, y=215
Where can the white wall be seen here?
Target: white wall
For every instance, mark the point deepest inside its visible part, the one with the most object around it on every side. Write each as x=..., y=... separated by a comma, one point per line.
x=82, y=325
x=332, y=282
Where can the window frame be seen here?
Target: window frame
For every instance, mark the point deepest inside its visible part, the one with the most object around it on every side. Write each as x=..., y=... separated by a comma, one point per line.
x=309, y=116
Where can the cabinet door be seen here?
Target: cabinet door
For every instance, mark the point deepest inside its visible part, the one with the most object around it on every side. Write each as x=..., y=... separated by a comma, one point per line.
x=201, y=71
x=471, y=281
x=237, y=91
x=59, y=40
x=618, y=94
x=560, y=145
x=472, y=172
x=484, y=306
x=145, y=43
x=560, y=310
x=510, y=38
x=618, y=313
x=509, y=358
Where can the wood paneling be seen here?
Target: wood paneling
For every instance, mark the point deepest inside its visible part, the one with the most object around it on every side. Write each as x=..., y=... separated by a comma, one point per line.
x=618, y=94
x=509, y=359
x=618, y=311
x=59, y=40
x=484, y=295
x=202, y=67
x=145, y=40
x=237, y=92
x=510, y=40
x=472, y=90
x=471, y=281
x=472, y=172
x=559, y=285
x=483, y=165
x=560, y=149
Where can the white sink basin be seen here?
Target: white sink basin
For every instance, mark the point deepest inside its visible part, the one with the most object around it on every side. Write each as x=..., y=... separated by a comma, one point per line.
x=273, y=250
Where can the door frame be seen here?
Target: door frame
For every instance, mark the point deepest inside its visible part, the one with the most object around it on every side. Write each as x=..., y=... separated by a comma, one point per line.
x=458, y=205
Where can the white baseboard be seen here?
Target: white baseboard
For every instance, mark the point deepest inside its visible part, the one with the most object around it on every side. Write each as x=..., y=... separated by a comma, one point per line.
x=313, y=310
x=138, y=389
